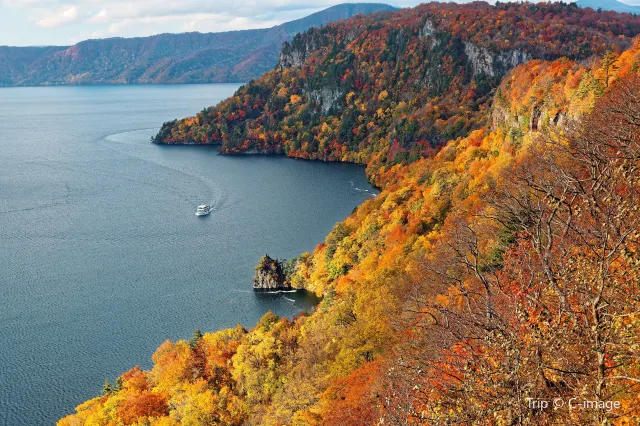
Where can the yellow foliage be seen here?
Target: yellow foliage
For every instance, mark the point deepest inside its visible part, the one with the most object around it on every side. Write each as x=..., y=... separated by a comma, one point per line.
x=277, y=372
x=283, y=92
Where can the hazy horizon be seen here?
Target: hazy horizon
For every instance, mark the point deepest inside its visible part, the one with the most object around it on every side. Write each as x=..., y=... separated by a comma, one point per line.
x=37, y=23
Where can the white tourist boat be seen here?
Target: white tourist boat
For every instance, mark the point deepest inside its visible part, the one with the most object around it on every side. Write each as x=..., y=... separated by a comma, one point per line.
x=203, y=210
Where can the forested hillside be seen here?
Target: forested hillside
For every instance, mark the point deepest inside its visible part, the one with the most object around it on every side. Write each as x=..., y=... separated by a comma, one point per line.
x=233, y=56
x=498, y=265
x=615, y=5
x=390, y=89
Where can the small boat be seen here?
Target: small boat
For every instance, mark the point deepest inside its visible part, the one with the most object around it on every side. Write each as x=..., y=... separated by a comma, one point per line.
x=203, y=210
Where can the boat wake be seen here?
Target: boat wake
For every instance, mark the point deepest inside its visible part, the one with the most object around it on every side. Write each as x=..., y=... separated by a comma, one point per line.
x=135, y=144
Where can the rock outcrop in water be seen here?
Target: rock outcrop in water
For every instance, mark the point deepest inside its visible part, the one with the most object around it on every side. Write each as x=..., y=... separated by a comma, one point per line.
x=390, y=275
x=270, y=275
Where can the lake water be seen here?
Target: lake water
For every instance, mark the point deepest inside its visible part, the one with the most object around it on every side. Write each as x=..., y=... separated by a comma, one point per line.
x=101, y=256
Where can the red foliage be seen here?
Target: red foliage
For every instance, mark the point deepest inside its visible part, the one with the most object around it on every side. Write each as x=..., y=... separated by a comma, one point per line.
x=355, y=399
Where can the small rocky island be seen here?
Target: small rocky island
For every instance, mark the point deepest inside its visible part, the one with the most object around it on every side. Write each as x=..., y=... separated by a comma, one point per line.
x=273, y=274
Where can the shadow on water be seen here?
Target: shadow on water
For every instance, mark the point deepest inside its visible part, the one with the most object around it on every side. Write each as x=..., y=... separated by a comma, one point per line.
x=302, y=299
x=111, y=261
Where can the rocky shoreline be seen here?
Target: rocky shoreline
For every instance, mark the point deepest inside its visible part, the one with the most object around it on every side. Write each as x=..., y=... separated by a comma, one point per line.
x=271, y=275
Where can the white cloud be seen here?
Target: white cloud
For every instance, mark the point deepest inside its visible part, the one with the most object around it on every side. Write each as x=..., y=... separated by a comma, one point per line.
x=120, y=18
x=100, y=17
x=29, y=3
x=204, y=22
x=127, y=18
x=61, y=16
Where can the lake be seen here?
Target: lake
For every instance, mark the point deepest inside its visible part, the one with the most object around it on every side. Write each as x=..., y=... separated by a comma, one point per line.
x=101, y=255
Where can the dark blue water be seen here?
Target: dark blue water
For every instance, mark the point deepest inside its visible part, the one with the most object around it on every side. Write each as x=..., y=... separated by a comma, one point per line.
x=101, y=256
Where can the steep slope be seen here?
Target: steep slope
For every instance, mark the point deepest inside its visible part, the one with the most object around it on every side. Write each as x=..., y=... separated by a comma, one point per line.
x=438, y=307
x=333, y=14
x=614, y=5
x=499, y=265
x=388, y=89
x=165, y=58
x=14, y=61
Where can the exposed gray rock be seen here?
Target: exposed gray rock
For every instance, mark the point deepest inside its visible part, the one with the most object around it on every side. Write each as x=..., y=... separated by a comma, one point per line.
x=493, y=64
x=428, y=30
x=535, y=122
x=537, y=119
x=327, y=97
x=294, y=54
x=292, y=58
x=270, y=275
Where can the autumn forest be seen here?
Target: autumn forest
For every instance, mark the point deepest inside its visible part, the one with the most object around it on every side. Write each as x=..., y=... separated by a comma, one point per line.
x=497, y=272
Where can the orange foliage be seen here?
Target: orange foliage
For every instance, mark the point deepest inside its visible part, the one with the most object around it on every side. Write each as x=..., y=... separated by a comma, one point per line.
x=354, y=399
x=437, y=307
x=140, y=405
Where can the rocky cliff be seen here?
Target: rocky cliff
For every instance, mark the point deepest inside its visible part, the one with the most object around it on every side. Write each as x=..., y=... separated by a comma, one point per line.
x=392, y=88
x=423, y=285
x=294, y=54
x=270, y=275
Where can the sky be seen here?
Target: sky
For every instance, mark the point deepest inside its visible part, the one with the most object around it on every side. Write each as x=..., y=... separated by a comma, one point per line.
x=66, y=22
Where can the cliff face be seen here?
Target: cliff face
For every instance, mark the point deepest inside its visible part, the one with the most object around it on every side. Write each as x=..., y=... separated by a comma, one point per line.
x=549, y=101
x=295, y=54
x=439, y=282
x=392, y=88
x=482, y=60
x=397, y=274
x=493, y=64
x=270, y=275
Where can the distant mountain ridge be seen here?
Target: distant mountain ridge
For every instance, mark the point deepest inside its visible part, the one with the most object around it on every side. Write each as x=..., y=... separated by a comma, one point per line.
x=485, y=127
x=435, y=55
x=614, y=5
x=233, y=56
